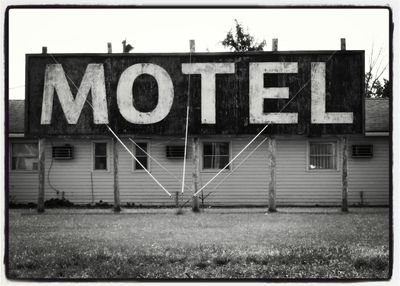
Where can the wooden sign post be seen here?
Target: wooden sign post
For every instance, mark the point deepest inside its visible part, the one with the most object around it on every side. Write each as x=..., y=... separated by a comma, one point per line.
x=343, y=44
x=344, y=156
x=344, y=175
x=196, y=155
x=41, y=171
x=196, y=172
x=272, y=182
x=117, y=204
x=41, y=166
x=272, y=159
x=274, y=45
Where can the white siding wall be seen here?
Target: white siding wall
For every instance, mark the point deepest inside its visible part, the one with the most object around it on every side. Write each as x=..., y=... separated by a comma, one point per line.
x=73, y=176
x=370, y=175
x=248, y=185
x=136, y=186
x=296, y=185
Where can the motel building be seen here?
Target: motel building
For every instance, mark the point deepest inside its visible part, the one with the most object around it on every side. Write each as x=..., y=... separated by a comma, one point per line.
x=112, y=128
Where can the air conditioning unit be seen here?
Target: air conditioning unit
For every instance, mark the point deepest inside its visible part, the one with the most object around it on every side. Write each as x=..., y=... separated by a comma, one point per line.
x=362, y=151
x=176, y=152
x=65, y=152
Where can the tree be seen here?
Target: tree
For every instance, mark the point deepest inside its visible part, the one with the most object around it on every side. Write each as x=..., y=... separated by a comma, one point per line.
x=373, y=86
x=375, y=89
x=386, y=89
x=242, y=41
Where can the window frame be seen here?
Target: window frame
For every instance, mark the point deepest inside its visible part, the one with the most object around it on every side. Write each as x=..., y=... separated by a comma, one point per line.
x=11, y=156
x=336, y=149
x=133, y=168
x=94, y=142
x=213, y=170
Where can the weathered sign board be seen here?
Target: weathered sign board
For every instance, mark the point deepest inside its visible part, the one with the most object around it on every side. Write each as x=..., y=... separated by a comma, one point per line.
x=308, y=93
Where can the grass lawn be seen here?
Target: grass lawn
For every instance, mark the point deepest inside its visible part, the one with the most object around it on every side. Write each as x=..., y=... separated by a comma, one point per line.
x=217, y=243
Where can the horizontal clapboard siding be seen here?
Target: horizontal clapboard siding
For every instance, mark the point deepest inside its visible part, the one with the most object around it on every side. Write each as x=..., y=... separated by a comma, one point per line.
x=23, y=187
x=136, y=186
x=73, y=177
x=248, y=185
x=370, y=175
x=296, y=185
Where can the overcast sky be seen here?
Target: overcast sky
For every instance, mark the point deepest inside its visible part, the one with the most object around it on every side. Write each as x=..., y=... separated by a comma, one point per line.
x=169, y=30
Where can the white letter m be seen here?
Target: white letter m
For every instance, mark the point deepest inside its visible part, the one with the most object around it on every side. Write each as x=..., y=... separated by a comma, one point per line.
x=93, y=80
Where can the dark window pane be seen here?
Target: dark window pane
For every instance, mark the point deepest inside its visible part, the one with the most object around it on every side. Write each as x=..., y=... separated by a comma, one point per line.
x=100, y=163
x=329, y=149
x=223, y=160
x=313, y=149
x=208, y=149
x=141, y=156
x=142, y=160
x=139, y=152
x=100, y=149
x=215, y=155
x=223, y=149
x=143, y=146
x=207, y=162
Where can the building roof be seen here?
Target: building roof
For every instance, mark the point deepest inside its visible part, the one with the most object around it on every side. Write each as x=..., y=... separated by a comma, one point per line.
x=376, y=115
x=16, y=116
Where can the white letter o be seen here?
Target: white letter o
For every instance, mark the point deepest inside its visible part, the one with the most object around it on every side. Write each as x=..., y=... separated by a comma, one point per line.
x=125, y=96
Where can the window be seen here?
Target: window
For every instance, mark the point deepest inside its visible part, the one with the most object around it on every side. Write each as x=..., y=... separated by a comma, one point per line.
x=100, y=156
x=141, y=156
x=215, y=155
x=24, y=156
x=322, y=155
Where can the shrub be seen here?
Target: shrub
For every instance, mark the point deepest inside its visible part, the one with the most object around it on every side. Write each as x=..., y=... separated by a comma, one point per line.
x=63, y=202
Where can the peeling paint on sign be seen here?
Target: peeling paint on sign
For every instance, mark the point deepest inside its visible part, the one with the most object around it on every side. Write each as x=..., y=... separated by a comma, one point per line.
x=125, y=97
x=309, y=93
x=318, y=100
x=208, y=90
x=258, y=92
x=93, y=80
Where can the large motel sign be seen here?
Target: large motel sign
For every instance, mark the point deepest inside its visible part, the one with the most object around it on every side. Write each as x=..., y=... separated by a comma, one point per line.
x=305, y=93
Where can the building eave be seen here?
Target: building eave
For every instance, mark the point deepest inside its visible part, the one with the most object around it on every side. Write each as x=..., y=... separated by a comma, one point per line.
x=376, y=134
x=16, y=135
